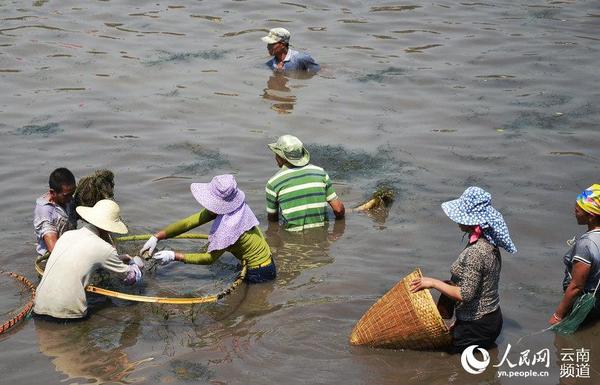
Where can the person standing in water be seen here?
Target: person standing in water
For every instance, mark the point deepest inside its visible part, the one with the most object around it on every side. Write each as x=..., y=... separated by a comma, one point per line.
x=234, y=229
x=582, y=261
x=476, y=272
x=285, y=58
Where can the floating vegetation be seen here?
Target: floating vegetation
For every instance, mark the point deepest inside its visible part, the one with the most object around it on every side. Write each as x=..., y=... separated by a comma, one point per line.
x=44, y=130
x=214, y=19
x=544, y=100
x=169, y=57
x=382, y=197
x=342, y=163
x=394, y=8
x=205, y=159
x=495, y=76
x=416, y=30
x=421, y=49
x=352, y=21
x=230, y=34
x=359, y=47
x=190, y=371
x=384, y=37
x=574, y=153
x=294, y=4
x=381, y=75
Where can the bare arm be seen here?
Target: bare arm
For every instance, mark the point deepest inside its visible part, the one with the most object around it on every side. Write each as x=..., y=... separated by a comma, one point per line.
x=580, y=274
x=338, y=208
x=441, y=286
x=50, y=240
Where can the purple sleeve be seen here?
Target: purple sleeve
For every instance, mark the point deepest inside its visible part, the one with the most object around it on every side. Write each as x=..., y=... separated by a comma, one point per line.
x=42, y=220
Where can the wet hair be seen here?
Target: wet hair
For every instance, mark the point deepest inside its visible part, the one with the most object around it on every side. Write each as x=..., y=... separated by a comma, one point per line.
x=59, y=177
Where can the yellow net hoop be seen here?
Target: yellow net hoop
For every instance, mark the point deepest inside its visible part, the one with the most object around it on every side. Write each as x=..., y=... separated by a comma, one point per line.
x=142, y=298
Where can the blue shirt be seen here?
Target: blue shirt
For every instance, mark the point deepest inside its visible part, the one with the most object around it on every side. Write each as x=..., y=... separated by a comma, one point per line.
x=296, y=61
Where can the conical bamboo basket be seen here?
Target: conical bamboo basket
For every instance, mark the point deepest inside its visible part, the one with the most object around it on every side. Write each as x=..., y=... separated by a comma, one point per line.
x=403, y=320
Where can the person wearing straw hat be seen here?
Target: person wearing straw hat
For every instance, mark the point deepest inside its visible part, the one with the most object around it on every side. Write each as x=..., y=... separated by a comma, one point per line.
x=582, y=261
x=76, y=255
x=476, y=272
x=285, y=58
x=234, y=229
x=299, y=191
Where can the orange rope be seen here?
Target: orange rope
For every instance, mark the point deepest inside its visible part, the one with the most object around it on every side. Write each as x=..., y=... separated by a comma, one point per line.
x=26, y=309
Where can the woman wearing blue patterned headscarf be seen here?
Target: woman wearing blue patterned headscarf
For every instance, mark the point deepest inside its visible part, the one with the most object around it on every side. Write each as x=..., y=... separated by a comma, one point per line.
x=476, y=272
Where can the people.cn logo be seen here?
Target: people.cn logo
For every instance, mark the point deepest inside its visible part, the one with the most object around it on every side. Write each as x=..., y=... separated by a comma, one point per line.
x=470, y=363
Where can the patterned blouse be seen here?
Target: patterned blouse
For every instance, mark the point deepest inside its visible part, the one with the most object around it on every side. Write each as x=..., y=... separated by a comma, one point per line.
x=477, y=272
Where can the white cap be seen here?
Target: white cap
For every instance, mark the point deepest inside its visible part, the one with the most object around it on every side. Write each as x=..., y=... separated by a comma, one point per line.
x=277, y=35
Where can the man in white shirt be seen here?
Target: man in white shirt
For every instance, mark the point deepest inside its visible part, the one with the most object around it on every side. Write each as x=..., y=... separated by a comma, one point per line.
x=76, y=255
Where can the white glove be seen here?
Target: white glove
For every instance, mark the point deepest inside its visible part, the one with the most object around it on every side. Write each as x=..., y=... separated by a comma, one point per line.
x=150, y=245
x=137, y=261
x=164, y=257
x=134, y=275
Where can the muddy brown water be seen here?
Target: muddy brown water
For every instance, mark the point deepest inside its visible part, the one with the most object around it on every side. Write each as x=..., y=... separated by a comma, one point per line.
x=430, y=97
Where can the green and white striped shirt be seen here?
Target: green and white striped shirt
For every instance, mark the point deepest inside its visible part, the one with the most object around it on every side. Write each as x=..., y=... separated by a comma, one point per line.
x=301, y=195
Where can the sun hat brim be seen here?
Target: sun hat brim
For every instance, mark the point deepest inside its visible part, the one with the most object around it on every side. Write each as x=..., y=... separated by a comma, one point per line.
x=215, y=204
x=269, y=39
x=295, y=162
x=454, y=209
x=92, y=216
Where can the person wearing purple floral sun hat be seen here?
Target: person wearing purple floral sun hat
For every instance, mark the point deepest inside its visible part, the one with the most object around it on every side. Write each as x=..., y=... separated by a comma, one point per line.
x=234, y=229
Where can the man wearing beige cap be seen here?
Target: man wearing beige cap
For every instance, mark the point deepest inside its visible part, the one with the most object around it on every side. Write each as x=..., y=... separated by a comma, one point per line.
x=76, y=255
x=299, y=191
x=284, y=58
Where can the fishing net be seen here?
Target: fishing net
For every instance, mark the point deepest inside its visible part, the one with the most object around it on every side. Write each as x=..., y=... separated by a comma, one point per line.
x=176, y=283
x=93, y=188
x=581, y=308
x=17, y=295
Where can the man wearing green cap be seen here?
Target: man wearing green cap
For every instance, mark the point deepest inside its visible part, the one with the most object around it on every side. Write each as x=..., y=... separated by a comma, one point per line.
x=299, y=191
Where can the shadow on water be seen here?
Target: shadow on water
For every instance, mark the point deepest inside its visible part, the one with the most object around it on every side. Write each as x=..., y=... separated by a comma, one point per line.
x=166, y=57
x=43, y=130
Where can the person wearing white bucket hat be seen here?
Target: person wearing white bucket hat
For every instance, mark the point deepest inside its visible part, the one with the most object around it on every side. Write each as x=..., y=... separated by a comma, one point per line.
x=234, y=229
x=285, y=58
x=299, y=191
x=76, y=255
